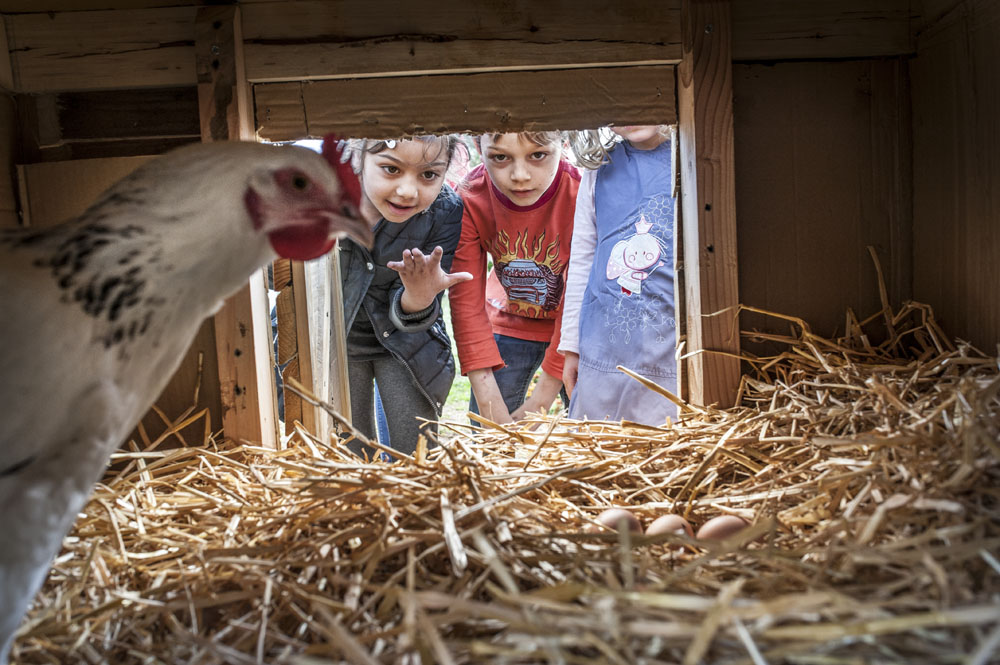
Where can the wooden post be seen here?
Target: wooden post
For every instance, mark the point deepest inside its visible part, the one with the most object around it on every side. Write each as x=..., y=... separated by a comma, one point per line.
x=243, y=325
x=294, y=349
x=708, y=201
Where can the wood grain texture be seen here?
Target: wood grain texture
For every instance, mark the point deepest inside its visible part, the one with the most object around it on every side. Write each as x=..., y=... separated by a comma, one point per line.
x=507, y=101
x=144, y=44
x=243, y=325
x=310, y=39
x=128, y=48
x=708, y=205
x=822, y=154
x=955, y=79
x=6, y=69
x=8, y=174
x=303, y=342
x=793, y=29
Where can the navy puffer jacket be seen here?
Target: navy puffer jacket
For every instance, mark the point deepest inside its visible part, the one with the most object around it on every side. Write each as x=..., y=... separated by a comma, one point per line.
x=423, y=345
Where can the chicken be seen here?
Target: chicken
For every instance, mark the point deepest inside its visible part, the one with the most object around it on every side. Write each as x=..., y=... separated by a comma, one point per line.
x=99, y=311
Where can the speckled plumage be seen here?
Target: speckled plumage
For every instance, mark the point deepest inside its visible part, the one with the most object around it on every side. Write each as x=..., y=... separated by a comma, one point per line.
x=99, y=311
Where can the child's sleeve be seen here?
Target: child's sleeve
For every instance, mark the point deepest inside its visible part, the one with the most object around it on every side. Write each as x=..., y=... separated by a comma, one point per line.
x=581, y=259
x=473, y=331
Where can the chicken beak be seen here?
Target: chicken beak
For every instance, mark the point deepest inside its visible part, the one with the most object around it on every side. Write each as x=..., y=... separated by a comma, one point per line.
x=351, y=226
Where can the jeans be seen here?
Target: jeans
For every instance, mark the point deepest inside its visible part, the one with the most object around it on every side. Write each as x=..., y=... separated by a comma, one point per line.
x=522, y=358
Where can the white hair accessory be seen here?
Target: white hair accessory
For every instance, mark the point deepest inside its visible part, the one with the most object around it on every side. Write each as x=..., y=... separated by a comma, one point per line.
x=390, y=144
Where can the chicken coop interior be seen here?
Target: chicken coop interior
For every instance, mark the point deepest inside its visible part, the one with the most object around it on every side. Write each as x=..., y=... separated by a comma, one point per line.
x=838, y=164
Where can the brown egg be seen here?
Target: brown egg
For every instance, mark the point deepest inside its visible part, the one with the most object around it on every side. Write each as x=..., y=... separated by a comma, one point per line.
x=613, y=517
x=669, y=524
x=721, y=527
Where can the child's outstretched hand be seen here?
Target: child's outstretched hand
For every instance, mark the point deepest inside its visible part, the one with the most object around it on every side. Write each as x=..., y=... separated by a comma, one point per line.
x=423, y=278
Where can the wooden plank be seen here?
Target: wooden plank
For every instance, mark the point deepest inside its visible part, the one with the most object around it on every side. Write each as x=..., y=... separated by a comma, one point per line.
x=317, y=40
x=243, y=325
x=340, y=385
x=132, y=48
x=956, y=213
x=708, y=202
x=318, y=278
x=892, y=171
x=6, y=70
x=288, y=343
x=505, y=101
x=792, y=29
x=820, y=151
x=8, y=174
x=303, y=333
x=80, y=125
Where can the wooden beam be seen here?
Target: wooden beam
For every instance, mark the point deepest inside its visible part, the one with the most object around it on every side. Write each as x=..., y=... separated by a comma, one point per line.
x=505, y=101
x=243, y=325
x=708, y=202
x=312, y=39
x=121, y=48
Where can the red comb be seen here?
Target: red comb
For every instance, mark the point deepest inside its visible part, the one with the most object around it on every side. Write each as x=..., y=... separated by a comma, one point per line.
x=348, y=178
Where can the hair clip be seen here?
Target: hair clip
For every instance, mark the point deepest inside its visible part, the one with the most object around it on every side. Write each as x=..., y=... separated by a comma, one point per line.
x=390, y=144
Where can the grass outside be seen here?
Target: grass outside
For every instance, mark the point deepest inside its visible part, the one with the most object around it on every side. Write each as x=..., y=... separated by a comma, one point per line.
x=457, y=405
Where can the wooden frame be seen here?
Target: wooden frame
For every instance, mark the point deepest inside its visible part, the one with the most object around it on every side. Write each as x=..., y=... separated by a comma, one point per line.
x=331, y=51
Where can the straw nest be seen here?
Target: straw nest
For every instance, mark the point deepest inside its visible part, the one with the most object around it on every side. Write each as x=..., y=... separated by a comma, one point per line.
x=870, y=474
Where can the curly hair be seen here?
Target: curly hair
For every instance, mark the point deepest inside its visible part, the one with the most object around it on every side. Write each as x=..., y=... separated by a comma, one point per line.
x=591, y=146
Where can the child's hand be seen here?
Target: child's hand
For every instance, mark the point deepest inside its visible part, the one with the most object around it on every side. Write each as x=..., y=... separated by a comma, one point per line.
x=423, y=278
x=484, y=387
x=571, y=368
x=545, y=392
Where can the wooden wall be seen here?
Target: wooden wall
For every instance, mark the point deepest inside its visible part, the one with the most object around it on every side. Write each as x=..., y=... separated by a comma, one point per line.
x=956, y=137
x=8, y=135
x=822, y=171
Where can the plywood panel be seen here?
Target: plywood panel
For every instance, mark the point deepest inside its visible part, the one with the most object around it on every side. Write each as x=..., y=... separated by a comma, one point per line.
x=817, y=182
x=507, y=101
x=956, y=120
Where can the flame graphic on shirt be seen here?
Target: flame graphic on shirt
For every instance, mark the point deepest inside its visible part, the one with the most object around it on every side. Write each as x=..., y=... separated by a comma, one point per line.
x=530, y=273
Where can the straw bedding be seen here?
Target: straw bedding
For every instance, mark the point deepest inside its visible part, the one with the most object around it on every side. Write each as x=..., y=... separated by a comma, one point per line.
x=870, y=474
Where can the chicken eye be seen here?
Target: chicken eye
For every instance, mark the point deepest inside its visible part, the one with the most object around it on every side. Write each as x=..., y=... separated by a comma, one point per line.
x=300, y=182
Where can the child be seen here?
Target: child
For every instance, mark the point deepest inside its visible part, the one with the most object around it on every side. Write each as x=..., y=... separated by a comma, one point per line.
x=396, y=336
x=620, y=289
x=519, y=211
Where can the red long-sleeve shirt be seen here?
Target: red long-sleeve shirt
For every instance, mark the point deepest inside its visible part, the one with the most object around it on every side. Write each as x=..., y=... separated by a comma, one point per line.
x=522, y=296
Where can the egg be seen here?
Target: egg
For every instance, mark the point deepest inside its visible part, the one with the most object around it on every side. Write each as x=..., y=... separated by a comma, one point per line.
x=669, y=524
x=721, y=527
x=614, y=517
